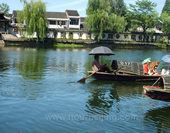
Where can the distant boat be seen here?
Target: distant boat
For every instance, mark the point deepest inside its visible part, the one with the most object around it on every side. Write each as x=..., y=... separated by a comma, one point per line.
x=159, y=93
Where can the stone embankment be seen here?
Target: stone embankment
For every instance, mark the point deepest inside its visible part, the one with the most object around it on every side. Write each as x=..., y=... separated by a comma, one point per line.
x=8, y=38
x=2, y=43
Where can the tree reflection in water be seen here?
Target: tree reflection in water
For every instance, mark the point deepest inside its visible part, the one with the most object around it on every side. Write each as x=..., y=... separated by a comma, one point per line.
x=159, y=118
x=31, y=63
x=101, y=98
x=105, y=96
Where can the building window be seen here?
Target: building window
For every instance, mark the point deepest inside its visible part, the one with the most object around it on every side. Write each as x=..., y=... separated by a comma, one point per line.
x=117, y=36
x=140, y=37
x=52, y=22
x=147, y=38
x=61, y=23
x=81, y=26
x=133, y=37
x=15, y=21
x=110, y=36
x=1, y=26
x=103, y=36
x=74, y=21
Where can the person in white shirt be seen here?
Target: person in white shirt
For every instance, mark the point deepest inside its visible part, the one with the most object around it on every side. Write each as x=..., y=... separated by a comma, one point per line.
x=166, y=72
x=97, y=67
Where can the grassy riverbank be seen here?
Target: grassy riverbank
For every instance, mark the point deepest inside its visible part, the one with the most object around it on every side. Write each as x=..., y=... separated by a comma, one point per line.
x=72, y=45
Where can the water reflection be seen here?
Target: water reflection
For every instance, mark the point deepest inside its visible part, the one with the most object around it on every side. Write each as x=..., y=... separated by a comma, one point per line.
x=31, y=64
x=104, y=97
x=159, y=118
x=101, y=99
x=50, y=76
x=100, y=103
x=4, y=63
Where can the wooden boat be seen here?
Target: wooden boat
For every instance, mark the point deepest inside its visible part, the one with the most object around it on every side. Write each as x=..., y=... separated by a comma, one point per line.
x=125, y=71
x=118, y=76
x=159, y=93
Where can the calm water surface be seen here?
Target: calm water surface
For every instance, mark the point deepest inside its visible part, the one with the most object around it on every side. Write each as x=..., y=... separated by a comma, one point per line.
x=39, y=93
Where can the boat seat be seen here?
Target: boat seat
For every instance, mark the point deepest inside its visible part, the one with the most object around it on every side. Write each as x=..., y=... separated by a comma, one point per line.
x=114, y=65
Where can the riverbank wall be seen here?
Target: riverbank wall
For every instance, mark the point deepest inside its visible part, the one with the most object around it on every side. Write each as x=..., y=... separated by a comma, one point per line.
x=2, y=43
x=86, y=43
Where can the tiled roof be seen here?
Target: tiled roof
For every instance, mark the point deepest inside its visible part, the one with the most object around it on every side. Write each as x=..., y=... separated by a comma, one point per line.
x=72, y=13
x=56, y=15
x=15, y=13
x=82, y=19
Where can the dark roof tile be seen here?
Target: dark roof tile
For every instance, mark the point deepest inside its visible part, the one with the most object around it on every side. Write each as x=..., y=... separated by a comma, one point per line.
x=72, y=13
x=56, y=15
x=82, y=19
x=15, y=13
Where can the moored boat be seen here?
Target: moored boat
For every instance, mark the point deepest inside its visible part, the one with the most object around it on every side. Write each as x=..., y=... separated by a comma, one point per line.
x=159, y=93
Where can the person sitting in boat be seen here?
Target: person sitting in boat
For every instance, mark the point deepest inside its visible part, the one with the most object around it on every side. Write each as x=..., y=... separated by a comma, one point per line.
x=146, y=65
x=97, y=67
x=166, y=72
x=153, y=68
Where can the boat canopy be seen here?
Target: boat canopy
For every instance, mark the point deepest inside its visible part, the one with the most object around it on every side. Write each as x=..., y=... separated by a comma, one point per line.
x=166, y=82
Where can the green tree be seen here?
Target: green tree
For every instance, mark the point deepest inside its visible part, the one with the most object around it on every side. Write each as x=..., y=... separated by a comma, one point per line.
x=4, y=7
x=34, y=16
x=142, y=14
x=118, y=7
x=165, y=17
x=100, y=18
x=166, y=7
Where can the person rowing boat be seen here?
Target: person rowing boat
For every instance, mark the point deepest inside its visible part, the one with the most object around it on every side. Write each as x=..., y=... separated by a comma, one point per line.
x=96, y=65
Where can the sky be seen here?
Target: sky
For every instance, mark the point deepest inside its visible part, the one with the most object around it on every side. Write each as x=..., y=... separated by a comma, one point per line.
x=79, y=5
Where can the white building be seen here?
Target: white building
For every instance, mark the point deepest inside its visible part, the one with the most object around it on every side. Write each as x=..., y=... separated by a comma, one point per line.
x=69, y=25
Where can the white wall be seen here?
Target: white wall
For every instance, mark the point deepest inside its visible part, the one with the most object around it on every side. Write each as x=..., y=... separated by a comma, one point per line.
x=58, y=34
x=67, y=35
x=57, y=26
x=92, y=36
x=74, y=26
x=84, y=36
x=76, y=35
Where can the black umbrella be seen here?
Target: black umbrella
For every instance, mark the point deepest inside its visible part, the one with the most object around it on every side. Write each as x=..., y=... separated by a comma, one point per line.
x=102, y=50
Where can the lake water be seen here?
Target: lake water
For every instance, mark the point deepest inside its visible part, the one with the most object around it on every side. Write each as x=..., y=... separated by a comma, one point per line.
x=39, y=93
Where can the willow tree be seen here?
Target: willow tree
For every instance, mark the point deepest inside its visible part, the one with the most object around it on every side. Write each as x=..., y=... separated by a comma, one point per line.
x=100, y=18
x=33, y=15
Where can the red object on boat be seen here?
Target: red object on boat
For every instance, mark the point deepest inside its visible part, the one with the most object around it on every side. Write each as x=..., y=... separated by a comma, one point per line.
x=159, y=93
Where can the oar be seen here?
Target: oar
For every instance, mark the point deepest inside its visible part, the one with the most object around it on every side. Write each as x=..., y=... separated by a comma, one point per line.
x=156, y=81
x=84, y=79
